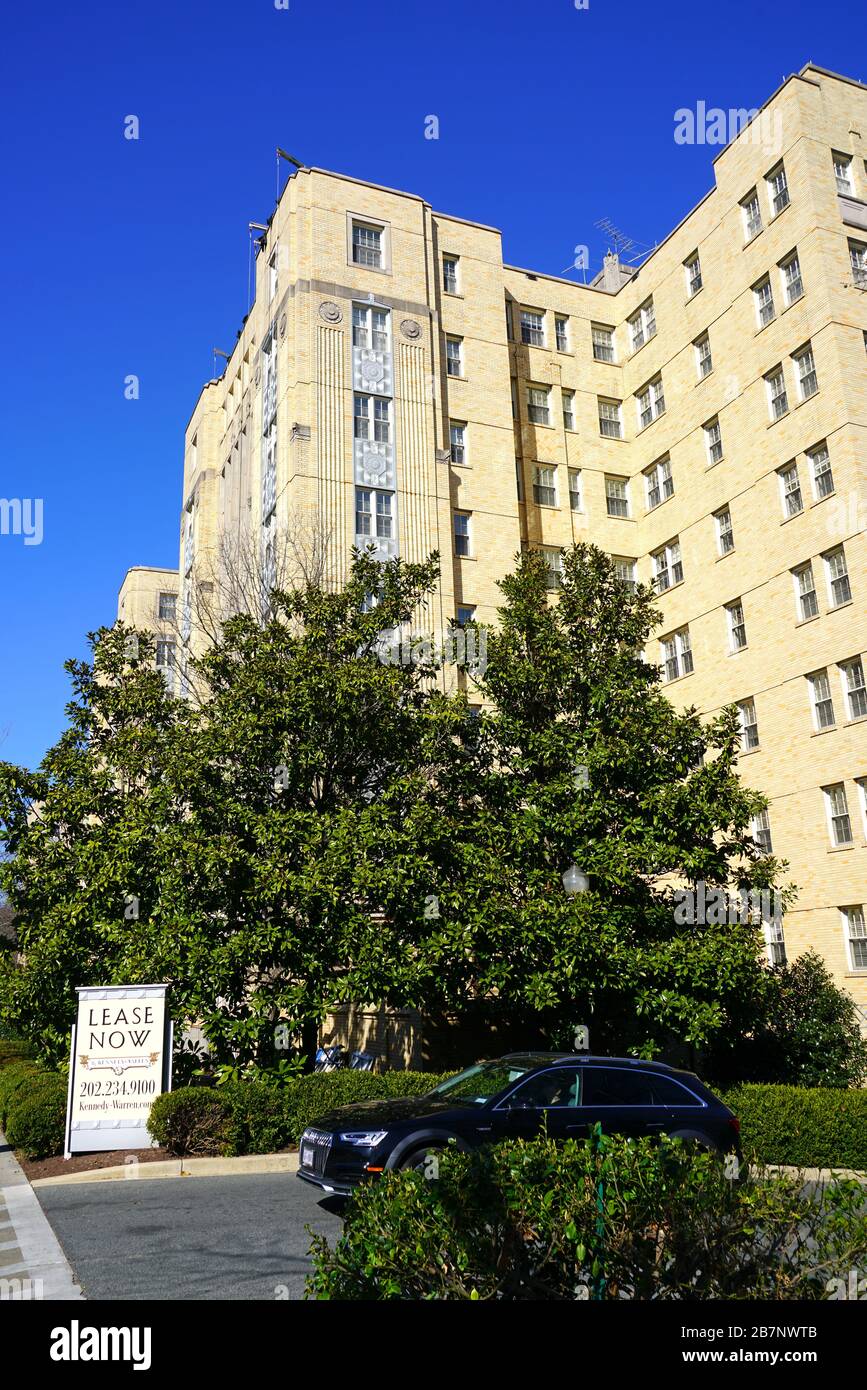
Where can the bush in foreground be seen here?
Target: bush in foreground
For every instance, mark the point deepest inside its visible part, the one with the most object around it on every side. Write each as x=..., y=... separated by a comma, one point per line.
x=808, y=1127
x=520, y=1220
x=37, y=1116
x=193, y=1121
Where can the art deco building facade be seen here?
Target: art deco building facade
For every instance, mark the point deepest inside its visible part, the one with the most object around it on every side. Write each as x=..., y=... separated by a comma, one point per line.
x=702, y=418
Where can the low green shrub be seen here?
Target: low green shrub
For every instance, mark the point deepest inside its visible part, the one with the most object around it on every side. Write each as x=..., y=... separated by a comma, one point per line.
x=13, y=1076
x=37, y=1117
x=519, y=1220
x=259, y=1117
x=311, y=1097
x=191, y=1121
x=13, y=1049
x=810, y=1127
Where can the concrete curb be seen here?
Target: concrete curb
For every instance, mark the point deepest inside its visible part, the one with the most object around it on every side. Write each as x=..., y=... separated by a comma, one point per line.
x=815, y=1174
x=179, y=1168
x=32, y=1263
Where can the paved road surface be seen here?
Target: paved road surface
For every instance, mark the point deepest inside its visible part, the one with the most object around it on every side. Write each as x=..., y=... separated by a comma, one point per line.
x=190, y=1238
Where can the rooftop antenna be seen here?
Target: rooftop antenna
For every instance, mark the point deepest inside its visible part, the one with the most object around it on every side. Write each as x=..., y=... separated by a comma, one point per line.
x=218, y=352
x=251, y=228
x=290, y=159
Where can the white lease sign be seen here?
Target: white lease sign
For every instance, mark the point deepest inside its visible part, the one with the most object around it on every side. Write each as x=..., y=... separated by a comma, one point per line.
x=119, y=1063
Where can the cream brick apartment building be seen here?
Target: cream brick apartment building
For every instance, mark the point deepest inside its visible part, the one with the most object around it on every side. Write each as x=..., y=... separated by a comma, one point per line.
x=702, y=418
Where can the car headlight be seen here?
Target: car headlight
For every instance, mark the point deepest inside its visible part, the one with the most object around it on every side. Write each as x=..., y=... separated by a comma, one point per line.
x=363, y=1138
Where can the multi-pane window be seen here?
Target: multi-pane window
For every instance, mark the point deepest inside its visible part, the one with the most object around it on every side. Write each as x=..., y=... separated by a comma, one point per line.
x=852, y=673
x=561, y=330
x=805, y=593
x=165, y=654
x=713, y=441
x=820, y=467
x=454, y=356
x=858, y=261
x=839, y=820
x=373, y=513
x=651, y=402
x=457, y=441
x=642, y=325
x=693, y=275
x=749, y=725
x=373, y=418
x=724, y=534
x=667, y=566
x=805, y=367
x=575, y=489
x=603, y=342
x=610, y=419
x=839, y=588
x=778, y=189
x=775, y=942
x=843, y=175
x=545, y=486
x=553, y=558
x=778, y=400
x=568, y=410
x=856, y=936
x=367, y=245
x=369, y=327
x=820, y=696
x=167, y=607
x=462, y=533
x=450, y=274
x=617, y=496
x=659, y=482
x=737, y=625
x=752, y=213
x=676, y=655
x=764, y=299
x=790, y=490
x=624, y=568
x=761, y=827
x=532, y=327
x=793, y=284
x=537, y=405
x=703, y=359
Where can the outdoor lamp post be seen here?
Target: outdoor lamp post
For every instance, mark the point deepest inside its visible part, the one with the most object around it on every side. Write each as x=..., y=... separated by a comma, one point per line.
x=574, y=881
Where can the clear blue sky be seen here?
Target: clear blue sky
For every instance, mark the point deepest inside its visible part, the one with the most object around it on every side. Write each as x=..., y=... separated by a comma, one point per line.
x=131, y=257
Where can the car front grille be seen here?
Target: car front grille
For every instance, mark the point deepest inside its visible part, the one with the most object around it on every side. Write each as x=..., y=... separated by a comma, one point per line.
x=315, y=1148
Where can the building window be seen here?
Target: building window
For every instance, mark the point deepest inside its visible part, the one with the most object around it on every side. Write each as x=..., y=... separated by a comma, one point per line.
x=545, y=486
x=575, y=489
x=667, y=566
x=369, y=327
x=676, y=655
x=532, y=328
x=610, y=419
x=367, y=245
x=624, y=568
x=778, y=400
x=651, y=402
x=165, y=655
x=790, y=490
x=642, y=325
x=519, y=481
x=450, y=274
x=466, y=614
x=737, y=626
x=659, y=482
x=462, y=534
x=167, y=607
x=724, y=534
x=805, y=367
x=839, y=588
x=775, y=942
x=778, y=189
x=537, y=405
x=749, y=725
x=561, y=328
x=509, y=328
x=693, y=275
x=454, y=356
x=761, y=827
x=373, y=418
x=820, y=467
x=553, y=557
x=617, y=496
x=805, y=593
x=843, y=175
x=793, y=284
x=752, y=215
x=603, y=342
x=764, y=300
x=272, y=276
x=457, y=441
x=858, y=261
x=854, y=691
x=703, y=359
x=568, y=410
x=713, y=441
x=823, y=704
x=856, y=936
x=373, y=514
x=839, y=820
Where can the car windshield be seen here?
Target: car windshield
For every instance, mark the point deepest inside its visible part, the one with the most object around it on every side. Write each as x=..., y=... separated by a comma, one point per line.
x=478, y=1084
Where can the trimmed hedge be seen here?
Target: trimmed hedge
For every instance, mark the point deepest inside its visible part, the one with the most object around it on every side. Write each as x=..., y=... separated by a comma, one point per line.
x=311, y=1097
x=191, y=1121
x=258, y=1118
x=14, y=1076
x=37, y=1118
x=815, y=1127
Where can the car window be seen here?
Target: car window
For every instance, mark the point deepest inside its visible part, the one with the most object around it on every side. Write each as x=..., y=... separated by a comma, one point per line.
x=617, y=1086
x=667, y=1091
x=477, y=1084
x=548, y=1088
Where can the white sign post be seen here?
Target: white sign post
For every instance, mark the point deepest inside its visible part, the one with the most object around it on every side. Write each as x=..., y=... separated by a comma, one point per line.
x=120, y=1061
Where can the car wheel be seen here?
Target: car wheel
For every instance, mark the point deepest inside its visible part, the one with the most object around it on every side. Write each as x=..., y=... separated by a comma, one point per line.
x=693, y=1136
x=420, y=1158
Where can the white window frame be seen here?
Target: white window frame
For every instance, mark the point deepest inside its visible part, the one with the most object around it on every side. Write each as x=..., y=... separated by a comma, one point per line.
x=751, y=210
x=791, y=494
x=737, y=626
x=821, y=701
x=760, y=828
x=650, y=402
x=561, y=332
x=806, y=594
x=855, y=929
x=820, y=469
x=464, y=536
x=763, y=295
x=713, y=440
x=659, y=483
x=778, y=189
x=749, y=722
x=858, y=262
x=725, y=535
x=642, y=325
x=777, y=398
x=542, y=407
x=808, y=378
x=611, y=424
x=791, y=279
x=568, y=404
x=602, y=341
x=703, y=356
x=454, y=355
x=374, y=513
x=676, y=655
x=667, y=566
x=553, y=557
x=370, y=255
x=694, y=282
x=371, y=328
x=458, y=443
x=545, y=485
x=575, y=490
x=372, y=422
x=854, y=687
x=837, y=573
x=451, y=271
x=533, y=327
x=839, y=817
x=843, y=174
x=617, y=497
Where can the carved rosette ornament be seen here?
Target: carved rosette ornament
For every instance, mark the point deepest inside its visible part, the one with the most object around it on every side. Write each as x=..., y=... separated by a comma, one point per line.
x=410, y=329
x=330, y=312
